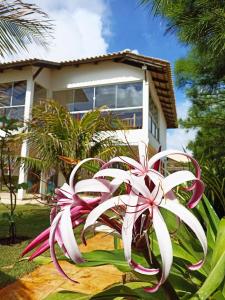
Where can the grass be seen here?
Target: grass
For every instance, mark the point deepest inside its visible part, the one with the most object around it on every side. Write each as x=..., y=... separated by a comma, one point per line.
x=30, y=221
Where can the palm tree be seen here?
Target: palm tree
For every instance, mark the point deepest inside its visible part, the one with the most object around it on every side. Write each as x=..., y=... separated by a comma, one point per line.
x=199, y=23
x=18, y=29
x=58, y=140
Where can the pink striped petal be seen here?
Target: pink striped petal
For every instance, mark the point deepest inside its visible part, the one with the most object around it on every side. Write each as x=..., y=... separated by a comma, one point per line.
x=127, y=236
x=52, y=248
x=126, y=160
x=92, y=185
x=73, y=173
x=143, y=150
x=38, y=240
x=101, y=208
x=166, y=153
x=67, y=235
x=165, y=247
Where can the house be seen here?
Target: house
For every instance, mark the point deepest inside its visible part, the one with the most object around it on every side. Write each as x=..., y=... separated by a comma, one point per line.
x=136, y=88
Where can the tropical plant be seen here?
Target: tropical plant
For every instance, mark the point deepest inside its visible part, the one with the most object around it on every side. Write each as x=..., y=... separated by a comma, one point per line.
x=8, y=140
x=199, y=25
x=58, y=140
x=132, y=213
x=18, y=29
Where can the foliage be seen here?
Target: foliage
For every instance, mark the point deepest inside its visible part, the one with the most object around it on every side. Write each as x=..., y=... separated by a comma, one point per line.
x=199, y=24
x=18, y=29
x=55, y=135
x=206, y=283
x=7, y=164
x=30, y=220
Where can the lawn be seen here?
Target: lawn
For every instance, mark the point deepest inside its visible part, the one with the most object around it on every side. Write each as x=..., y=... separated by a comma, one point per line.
x=31, y=220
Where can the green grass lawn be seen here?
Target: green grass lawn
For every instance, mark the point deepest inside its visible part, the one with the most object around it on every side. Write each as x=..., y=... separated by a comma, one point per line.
x=31, y=220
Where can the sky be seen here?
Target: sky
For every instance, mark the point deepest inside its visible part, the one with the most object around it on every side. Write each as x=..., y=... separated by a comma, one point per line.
x=86, y=28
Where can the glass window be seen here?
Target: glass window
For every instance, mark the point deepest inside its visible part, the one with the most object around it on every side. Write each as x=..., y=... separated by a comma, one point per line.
x=130, y=118
x=129, y=94
x=19, y=92
x=105, y=96
x=5, y=94
x=153, y=109
x=65, y=98
x=15, y=113
x=83, y=99
x=40, y=93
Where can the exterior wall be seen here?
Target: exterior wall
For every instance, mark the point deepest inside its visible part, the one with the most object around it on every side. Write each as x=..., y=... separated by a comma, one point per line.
x=44, y=78
x=92, y=74
x=101, y=74
x=15, y=75
x=162, y=120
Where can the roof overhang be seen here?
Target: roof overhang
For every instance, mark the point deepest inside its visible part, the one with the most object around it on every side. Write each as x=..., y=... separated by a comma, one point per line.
x=160, y=71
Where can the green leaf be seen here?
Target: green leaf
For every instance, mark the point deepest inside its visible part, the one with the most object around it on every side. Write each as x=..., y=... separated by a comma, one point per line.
x=218, y=296
x=116, y=292
x=67, y=295
x=220, y=244
x=113, y=257
x=217, y=273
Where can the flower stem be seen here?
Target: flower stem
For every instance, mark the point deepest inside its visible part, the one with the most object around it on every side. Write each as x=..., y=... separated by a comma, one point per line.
x=169, y=291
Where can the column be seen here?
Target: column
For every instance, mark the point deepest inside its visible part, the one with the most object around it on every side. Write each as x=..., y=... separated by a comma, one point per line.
x=24, y=149
x=146, y=107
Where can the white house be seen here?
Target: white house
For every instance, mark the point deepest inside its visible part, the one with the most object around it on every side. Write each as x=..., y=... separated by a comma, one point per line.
x=136, y=88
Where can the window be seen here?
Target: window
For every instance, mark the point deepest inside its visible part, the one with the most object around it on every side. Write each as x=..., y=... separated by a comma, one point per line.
x=123, y=100
x=75, y=100
x=129, y=94
x=40, y=93
x=83, y=99
x=105, y=95
x=130, y=118
x=154, y=120
x=65, y=98
x=12, y=99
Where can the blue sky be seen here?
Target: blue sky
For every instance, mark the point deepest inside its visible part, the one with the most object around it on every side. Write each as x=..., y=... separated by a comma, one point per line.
x=134, y=27
x=85, y=28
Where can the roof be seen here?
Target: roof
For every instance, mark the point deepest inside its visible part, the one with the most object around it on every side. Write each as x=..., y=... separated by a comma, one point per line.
x=160, y=71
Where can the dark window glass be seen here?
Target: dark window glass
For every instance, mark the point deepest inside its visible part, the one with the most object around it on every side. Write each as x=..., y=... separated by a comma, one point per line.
x=65, y=98
x=40, y=93
x=129, y=94
x=19, y=92
x=105, y=96
x=15, y=113
x=83, y=99
x=78, y=116
x=130, y=118
x=153, y=109
x=5, y=94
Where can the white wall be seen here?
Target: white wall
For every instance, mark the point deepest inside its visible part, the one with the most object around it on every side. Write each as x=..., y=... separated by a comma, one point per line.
x=162, y=120
x=92, y=74
x=44, y=78
x=15, y=75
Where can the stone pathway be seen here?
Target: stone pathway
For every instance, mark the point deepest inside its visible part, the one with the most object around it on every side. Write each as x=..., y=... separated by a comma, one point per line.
x=45, y=279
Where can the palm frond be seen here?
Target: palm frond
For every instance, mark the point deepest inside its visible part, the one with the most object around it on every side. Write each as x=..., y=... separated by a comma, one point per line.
x=20, y=25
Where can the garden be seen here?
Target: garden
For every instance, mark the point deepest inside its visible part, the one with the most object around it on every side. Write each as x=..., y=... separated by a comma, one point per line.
x=124, y=224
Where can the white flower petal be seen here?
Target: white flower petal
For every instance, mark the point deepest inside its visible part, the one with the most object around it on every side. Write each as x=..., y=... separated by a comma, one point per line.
x=187, y=217
x=67, y=235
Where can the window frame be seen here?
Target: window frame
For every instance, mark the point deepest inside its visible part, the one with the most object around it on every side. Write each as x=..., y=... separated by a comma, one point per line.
x=11, y=96
x=108, y=109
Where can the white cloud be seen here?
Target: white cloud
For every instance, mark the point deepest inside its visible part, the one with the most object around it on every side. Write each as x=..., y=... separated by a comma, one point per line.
x=179, y=138
x=81, y=29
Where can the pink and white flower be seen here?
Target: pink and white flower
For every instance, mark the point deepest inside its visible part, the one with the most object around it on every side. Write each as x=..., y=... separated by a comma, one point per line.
x=138, y=209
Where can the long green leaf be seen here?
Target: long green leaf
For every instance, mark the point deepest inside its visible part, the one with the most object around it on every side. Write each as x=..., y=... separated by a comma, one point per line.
x=217, y=274
x=67, y=295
